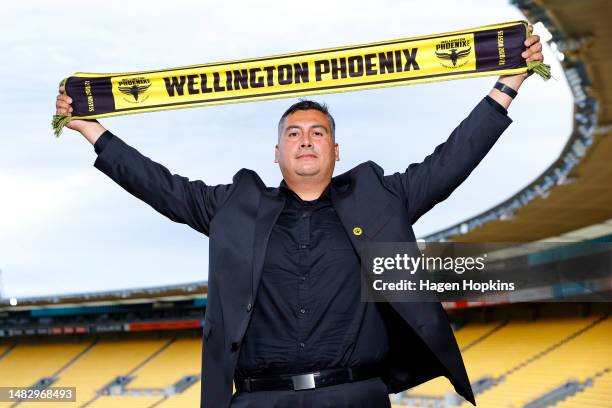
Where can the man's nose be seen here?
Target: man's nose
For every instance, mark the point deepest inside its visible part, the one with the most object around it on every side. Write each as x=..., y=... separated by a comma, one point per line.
x=306, y=141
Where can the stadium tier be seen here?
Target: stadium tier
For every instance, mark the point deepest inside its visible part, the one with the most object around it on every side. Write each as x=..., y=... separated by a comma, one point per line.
x=516, y=362
x=519, y=363
x=25, y=364
x=3, y=349
x=557, y=352
x=168, y=366
x=109, y=373
x=132, y=402
x=467, y=336
x=598, y=395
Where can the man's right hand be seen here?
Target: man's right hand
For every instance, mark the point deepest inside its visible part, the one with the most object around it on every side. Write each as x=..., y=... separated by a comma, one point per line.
x=89, y=128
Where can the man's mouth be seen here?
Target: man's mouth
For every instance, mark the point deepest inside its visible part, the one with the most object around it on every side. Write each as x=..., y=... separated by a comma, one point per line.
x=307, y=156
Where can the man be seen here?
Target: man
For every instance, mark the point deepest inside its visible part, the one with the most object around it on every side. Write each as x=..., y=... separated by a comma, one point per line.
x=284, y=320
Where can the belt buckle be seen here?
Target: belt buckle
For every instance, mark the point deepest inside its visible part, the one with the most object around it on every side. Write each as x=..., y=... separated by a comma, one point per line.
x=303, y=382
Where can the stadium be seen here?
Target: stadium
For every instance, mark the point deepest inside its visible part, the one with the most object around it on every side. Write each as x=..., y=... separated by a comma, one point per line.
x=141, y=347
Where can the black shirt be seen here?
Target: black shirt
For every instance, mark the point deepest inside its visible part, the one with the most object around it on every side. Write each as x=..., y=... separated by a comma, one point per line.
x=308, y=315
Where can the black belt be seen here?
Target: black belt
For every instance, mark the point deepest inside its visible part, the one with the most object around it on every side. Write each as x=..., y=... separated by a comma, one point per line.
x=309, y=381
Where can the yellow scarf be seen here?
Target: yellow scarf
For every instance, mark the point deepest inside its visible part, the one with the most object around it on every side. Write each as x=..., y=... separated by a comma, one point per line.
x=490, y=50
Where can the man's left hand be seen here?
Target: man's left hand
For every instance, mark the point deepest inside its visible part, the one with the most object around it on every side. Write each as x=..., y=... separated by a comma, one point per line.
x=532, y=53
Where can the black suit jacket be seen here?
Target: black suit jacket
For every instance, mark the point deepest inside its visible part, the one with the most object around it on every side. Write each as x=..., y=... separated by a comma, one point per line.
x=238, y=218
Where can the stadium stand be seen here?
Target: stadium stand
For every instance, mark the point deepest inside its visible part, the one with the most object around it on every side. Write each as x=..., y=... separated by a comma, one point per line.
x=188, y=398
x=598, y=394
x=101, y=365
x=562, y=360
x=581, y=345
x=27, y=364
x=126, y=401
x=4, y=348
x=516, y=363
x=467, y=336
x=170, y=365
x=111, y=373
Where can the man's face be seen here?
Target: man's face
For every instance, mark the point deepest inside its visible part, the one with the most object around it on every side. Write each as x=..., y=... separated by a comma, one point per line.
x=306, y=147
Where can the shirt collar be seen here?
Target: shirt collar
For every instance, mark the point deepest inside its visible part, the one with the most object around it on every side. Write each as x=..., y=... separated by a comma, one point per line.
x=284, y=188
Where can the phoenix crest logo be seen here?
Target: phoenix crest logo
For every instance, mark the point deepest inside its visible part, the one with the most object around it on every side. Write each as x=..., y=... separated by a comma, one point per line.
x=453, y=51
x=134, y=87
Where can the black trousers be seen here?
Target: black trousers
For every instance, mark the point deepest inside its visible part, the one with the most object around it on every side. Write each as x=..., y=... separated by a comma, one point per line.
x=371, y=393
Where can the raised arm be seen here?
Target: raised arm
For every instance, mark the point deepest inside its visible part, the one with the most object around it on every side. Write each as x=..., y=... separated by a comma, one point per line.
x=189, y=202
x=425, y=184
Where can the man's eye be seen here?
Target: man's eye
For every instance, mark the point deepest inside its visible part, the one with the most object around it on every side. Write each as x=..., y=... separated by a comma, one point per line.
x=292, y=134
x=318, y=133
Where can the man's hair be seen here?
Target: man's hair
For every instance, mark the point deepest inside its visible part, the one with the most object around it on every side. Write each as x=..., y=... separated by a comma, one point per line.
x=305, y=104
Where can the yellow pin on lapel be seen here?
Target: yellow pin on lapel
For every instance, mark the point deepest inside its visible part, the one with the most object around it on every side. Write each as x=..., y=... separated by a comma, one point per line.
x=357, y=231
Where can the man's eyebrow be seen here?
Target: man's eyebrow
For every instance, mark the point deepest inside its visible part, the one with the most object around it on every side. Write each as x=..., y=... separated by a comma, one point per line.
x=313, y=126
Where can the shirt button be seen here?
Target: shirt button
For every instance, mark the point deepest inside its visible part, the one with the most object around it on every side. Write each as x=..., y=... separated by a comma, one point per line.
x=249, y=307
x=302, y=345
x=302, y=310
x=304, y=215
x=303, y=278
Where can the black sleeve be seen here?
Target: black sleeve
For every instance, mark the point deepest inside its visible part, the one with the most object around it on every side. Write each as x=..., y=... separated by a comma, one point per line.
x=496, y=105
x=102, y=141
x=425, y=184
x=190, y=202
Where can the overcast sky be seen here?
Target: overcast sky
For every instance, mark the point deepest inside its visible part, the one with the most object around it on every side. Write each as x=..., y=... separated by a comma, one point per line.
x=66, y=227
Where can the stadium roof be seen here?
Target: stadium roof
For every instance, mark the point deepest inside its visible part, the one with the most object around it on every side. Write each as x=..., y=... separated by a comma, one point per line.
x=576, y=190
x=167, y=293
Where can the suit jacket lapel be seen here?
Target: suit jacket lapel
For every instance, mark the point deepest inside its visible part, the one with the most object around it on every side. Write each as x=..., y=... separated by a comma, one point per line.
x=346, y=207
x=271, y=205
x=352, y=214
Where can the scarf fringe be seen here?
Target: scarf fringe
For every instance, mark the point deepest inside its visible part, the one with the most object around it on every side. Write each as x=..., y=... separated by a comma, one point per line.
x=59, y=121
x=540, y=68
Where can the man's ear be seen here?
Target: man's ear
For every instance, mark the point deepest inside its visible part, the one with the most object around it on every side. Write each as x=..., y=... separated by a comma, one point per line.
x=337, y=151
x=276, y=154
